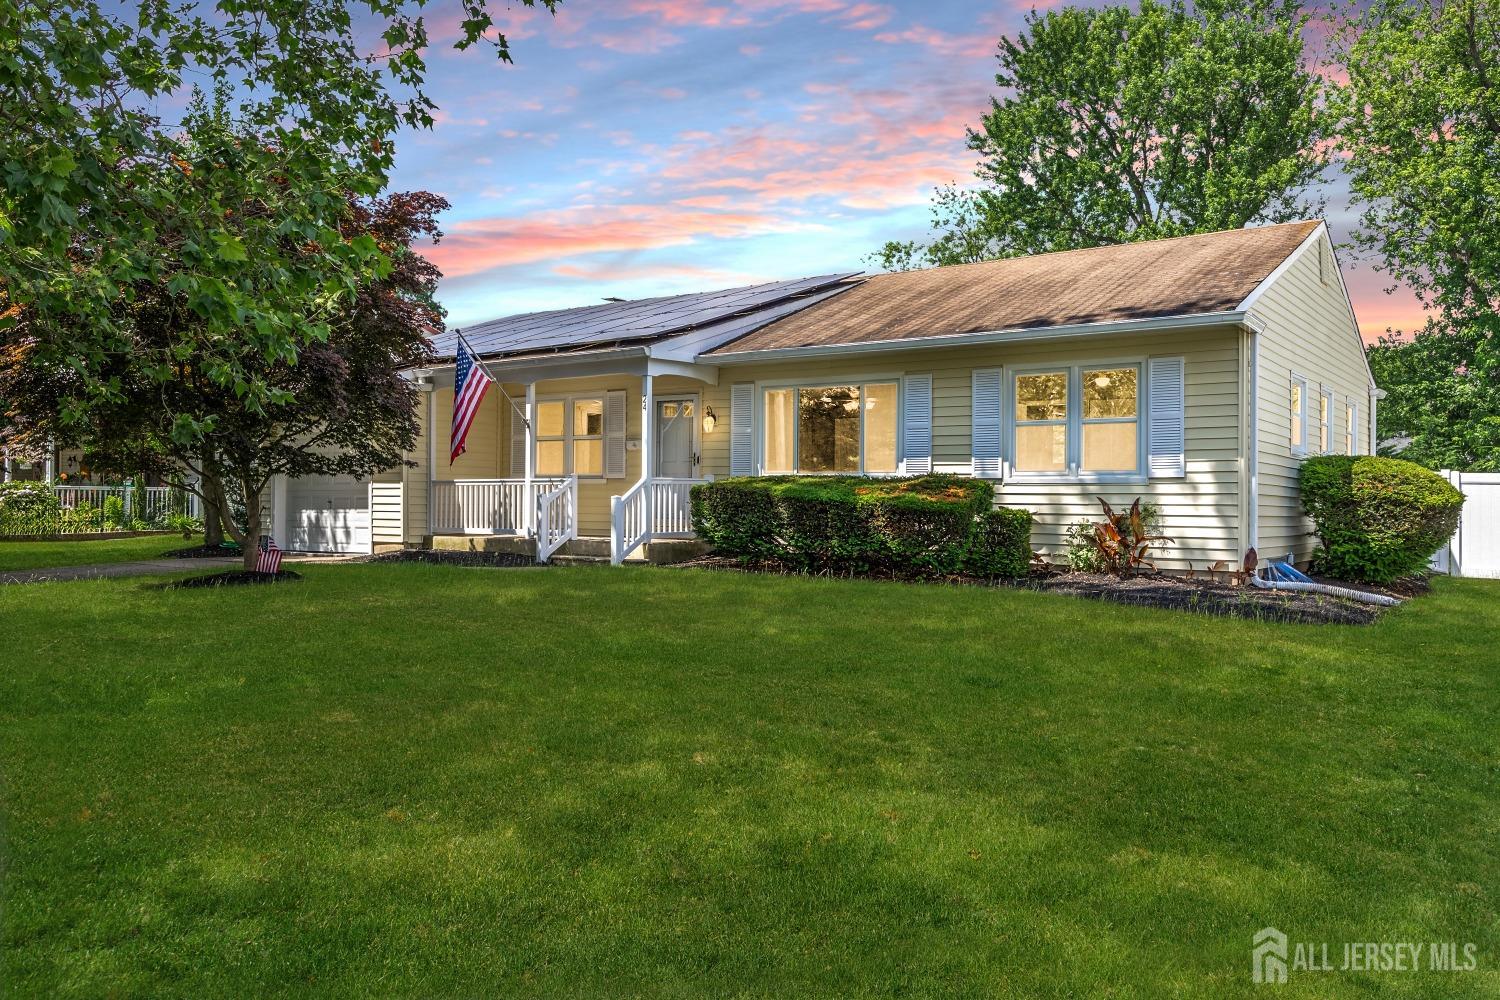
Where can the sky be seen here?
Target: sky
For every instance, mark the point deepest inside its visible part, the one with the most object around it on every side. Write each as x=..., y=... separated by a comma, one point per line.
x=653, y=147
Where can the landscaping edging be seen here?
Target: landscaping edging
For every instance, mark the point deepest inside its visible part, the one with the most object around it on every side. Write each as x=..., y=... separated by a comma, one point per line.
x=1168, y=593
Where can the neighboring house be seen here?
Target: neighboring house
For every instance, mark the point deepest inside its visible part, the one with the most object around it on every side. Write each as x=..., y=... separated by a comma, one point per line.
x=1195, y=373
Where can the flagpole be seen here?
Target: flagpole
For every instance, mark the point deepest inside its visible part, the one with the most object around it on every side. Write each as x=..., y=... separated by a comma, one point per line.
x=526, y=491
x=486, y=369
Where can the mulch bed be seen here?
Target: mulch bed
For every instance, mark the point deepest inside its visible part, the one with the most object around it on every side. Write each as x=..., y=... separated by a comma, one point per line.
x=443, y=557
x=1174, y=593
x=234, y=578
x=203, y=552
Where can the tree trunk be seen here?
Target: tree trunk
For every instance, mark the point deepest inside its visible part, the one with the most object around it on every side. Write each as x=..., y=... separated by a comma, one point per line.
x=213, y=507
x=250, y=546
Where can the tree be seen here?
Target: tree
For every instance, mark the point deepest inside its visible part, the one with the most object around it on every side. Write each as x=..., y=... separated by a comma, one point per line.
x=1439, y=399
x=102, y=198
x=1117, y=125
x=342, y=406
x=1420, y=127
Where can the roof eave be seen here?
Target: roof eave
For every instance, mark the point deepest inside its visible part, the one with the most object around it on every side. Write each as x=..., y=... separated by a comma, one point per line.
x=1154, y=323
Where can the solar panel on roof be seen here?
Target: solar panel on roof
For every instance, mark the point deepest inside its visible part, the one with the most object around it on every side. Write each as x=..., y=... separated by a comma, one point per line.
x=614, y=322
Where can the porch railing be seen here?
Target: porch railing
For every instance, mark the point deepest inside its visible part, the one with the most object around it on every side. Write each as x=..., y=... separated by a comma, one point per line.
x=556, y=518
x=652, y=508
x=485, y=506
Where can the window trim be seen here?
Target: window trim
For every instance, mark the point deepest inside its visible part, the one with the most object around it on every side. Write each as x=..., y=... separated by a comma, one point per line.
x=1075, y=473
x=568, y=437
x=1325, y=420
x=1351, y=426
x=797, y=384
x=1294, y=381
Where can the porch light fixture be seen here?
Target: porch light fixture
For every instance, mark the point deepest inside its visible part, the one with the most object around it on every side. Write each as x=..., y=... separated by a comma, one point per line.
x=709, y=419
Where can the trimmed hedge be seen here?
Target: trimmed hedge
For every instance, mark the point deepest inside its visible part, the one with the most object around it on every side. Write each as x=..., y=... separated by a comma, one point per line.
x=1378, y=518
x=925, y=526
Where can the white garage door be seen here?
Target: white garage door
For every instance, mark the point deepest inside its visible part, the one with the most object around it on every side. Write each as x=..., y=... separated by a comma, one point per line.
x=327, y=514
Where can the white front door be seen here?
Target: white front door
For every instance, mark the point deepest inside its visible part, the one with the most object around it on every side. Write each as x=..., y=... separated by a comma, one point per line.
x=676, y=436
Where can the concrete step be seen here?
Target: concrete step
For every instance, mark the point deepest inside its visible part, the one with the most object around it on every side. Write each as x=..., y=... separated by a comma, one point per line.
x=562, y=559
x=586, y=547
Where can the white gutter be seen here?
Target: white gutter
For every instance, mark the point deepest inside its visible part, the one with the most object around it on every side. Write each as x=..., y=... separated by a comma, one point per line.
x=1153, y=324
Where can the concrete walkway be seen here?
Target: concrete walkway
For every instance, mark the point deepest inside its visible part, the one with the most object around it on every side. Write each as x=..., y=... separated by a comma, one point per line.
x=147, y=567
x=141, y=567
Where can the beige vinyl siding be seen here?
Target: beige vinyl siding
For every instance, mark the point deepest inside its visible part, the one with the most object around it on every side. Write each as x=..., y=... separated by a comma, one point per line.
x=1200, y=511
x=1307, y=329
x=414, y=479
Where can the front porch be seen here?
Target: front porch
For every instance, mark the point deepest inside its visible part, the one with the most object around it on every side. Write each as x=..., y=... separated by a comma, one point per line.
x=566, y=460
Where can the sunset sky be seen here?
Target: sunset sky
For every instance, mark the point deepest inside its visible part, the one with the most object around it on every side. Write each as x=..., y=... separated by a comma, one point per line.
x=649, y=147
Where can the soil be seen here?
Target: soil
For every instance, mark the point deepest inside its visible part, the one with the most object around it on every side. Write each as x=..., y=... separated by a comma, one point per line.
x=234, y=578
x=449, y=558
x=1175, y=593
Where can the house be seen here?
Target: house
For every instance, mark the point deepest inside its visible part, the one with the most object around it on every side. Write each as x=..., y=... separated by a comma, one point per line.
x=1195, y=373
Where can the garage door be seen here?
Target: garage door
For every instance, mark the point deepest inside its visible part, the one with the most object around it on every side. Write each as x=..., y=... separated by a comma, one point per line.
x=327, y=514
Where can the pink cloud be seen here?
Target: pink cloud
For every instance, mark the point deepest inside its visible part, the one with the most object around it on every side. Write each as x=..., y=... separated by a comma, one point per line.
x=944, y=44
x=477, y=245
x=702, y=276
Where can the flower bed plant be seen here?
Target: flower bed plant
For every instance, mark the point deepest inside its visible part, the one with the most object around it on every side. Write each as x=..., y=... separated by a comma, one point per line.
x=925, y=526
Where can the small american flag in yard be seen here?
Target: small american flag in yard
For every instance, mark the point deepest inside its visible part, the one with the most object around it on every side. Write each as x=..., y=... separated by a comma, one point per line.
x=269, y=559
x=470, y=383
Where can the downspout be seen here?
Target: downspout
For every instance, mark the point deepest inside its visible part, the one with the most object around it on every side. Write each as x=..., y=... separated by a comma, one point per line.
x=1252, y=444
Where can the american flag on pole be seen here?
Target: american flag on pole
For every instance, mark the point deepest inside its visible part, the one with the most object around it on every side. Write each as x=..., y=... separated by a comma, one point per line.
x=269, y=559
x=470, y=383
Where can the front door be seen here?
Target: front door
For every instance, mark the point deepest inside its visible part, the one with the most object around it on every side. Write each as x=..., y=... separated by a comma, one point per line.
x=676, y=423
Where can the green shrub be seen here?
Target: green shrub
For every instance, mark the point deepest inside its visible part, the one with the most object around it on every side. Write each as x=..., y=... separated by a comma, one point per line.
x=27, y=508
x=114, y=513
x=1001, y=544
x=1377, y=518
x=922, y=526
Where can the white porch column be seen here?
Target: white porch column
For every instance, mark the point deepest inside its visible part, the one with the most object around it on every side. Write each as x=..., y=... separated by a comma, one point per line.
x=648, y=428
x=431, y=458
x=529, y=522
x=5, y=472
x=50, y=467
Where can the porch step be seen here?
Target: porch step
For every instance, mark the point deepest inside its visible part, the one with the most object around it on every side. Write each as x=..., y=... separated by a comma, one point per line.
x=559, y=559
x=587, y=546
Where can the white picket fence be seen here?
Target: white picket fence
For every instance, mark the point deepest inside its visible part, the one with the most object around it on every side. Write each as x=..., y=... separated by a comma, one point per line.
x=1474, y=549
x=88, y=509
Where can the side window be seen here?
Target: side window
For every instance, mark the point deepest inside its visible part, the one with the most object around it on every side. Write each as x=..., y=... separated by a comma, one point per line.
x=1299, y=415
x=1325, y=421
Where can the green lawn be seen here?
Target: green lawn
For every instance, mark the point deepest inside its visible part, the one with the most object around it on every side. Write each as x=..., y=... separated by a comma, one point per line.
x=40, y=555
x=408, y=780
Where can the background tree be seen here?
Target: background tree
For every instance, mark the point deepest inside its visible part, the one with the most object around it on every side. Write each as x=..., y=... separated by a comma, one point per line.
x=91, y=210
x=1444, y=408
x=1117, y=124
x=341, y=407
x=1421, y=132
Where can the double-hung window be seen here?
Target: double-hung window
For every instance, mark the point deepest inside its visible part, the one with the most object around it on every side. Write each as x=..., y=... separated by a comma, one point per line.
x=1077, y=421
x=846, y=428
x=570, y=436
x=1351, y=427
x=1299, y=415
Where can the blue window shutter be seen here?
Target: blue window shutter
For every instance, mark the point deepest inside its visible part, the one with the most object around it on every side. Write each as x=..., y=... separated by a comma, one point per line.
x=985, y=419
x=741, y=433
x=1167, y=387
x=916, y=436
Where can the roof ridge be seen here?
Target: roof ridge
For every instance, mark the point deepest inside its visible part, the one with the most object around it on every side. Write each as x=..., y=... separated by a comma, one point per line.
x=1105, y=246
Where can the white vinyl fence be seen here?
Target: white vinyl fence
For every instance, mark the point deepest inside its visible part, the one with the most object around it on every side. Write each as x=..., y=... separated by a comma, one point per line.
x=1475, y=547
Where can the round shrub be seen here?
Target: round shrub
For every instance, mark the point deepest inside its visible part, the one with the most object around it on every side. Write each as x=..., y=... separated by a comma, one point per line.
x=28, y=508
x=1377, y=518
